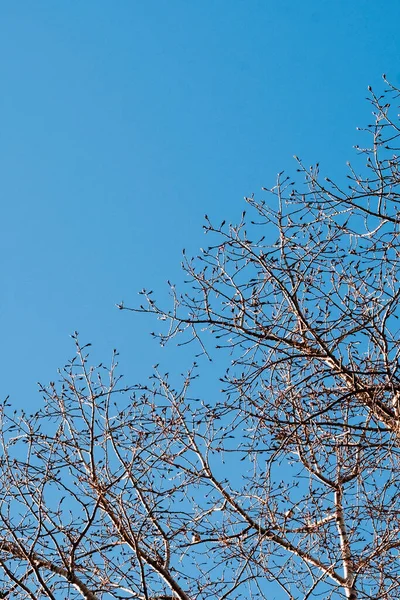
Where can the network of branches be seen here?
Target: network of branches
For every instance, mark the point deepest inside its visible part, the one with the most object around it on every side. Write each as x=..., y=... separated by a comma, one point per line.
x=284, y=483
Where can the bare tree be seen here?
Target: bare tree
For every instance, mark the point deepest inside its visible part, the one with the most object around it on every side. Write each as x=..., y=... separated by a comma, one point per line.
x=285, y=484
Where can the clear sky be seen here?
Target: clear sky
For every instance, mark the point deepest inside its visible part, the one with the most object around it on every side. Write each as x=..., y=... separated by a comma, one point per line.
x=124, y=121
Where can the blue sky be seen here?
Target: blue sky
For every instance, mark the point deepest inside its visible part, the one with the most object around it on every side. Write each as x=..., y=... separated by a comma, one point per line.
x=124, y=122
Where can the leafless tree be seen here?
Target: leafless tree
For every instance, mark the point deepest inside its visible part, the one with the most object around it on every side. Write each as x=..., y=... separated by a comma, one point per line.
x=285, y=483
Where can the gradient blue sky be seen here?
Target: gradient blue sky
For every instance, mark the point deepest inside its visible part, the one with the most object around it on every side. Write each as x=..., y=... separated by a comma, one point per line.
x=123, y=122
